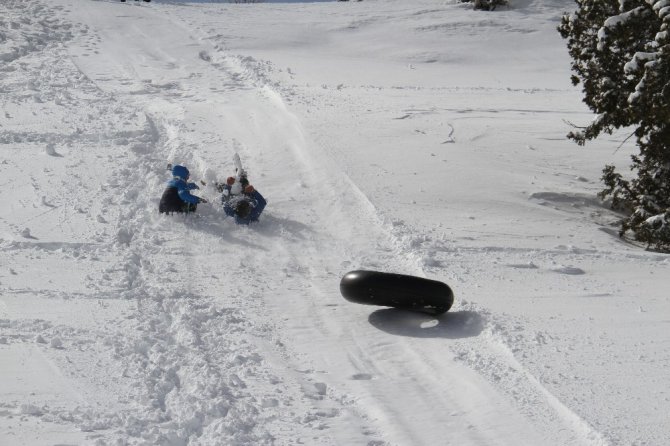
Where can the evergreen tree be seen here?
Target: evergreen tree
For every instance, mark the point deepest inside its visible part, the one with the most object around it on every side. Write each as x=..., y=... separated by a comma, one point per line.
x=621, y=55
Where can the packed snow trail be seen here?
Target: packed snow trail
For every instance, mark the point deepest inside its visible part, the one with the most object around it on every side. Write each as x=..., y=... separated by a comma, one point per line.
x=238, y=335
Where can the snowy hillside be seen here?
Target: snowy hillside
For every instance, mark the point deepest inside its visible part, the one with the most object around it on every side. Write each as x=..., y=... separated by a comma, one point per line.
x=417, y=137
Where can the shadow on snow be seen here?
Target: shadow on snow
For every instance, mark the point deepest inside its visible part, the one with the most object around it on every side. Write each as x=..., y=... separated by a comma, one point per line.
x=454, y=325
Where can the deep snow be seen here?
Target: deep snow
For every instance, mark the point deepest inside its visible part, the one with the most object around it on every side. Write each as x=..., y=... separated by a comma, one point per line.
x=417, y=137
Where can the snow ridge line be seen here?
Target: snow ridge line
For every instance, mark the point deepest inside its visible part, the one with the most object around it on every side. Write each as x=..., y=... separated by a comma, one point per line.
x=409, y=258
x=412, y=261
x=585, y=433
x=493, y=358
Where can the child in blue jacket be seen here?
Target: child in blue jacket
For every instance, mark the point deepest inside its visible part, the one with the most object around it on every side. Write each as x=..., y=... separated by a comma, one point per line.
x=177, y=196
x=245, y=207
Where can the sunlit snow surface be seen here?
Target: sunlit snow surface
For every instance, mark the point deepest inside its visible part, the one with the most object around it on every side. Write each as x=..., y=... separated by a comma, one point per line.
x=413, y=137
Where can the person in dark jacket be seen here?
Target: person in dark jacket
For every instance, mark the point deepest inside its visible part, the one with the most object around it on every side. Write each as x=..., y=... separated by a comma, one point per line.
x=177, y=196
x=246, y=207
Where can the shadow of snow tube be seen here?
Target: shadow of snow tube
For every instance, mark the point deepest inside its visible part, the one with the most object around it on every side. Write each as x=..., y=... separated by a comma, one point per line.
x=397, y=291
x=452, y=325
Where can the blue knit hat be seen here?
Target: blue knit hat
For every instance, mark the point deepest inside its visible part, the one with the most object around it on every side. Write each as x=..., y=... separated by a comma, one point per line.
x=181, y=172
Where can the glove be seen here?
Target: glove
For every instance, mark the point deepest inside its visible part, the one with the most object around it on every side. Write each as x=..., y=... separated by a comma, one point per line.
x=230, y=181
x=202, y=200
x=249, y=189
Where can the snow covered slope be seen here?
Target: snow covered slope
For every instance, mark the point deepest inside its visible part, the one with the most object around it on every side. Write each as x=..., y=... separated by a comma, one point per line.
x=416, y=137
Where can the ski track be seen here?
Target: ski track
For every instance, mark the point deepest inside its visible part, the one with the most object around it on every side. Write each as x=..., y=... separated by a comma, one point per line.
x=186, y=286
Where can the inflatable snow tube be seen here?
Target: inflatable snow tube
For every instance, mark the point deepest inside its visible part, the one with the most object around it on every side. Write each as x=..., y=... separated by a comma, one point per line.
x=396, y=290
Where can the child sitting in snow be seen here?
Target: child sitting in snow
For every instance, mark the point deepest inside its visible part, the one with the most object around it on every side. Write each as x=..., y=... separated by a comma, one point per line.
x=240, y=199
x=177, y=196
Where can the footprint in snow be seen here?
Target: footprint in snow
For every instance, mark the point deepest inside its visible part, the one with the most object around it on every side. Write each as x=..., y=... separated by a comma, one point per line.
x=51, y=151
x=25, y=233
x=321, y=388
x=46, y=203
x=529, y=265
x=361, y=377
x=570, y=270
